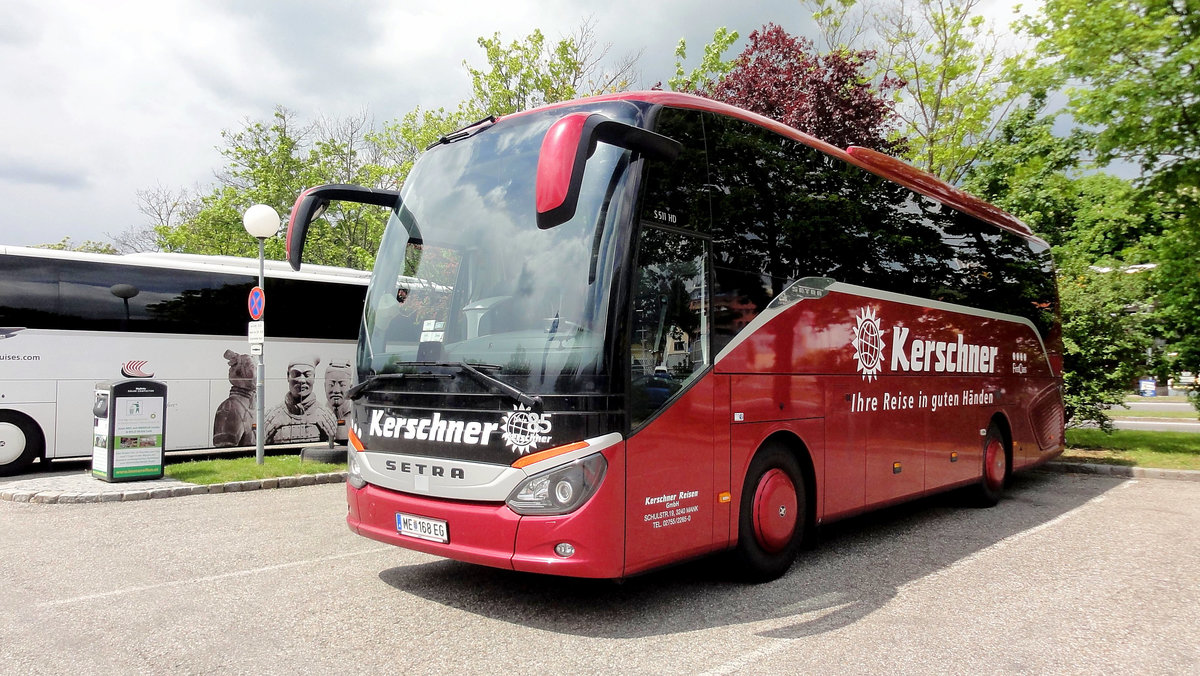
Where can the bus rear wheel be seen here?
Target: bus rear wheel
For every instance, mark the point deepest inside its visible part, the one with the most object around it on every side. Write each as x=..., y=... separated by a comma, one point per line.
x=995, y=468
x=21, y=442
x=772, y=517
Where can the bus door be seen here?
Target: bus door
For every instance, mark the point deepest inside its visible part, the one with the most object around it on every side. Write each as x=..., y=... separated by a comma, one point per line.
x=671, y=455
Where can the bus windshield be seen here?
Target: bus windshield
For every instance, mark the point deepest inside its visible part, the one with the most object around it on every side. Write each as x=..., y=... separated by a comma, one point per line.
x=464, y=275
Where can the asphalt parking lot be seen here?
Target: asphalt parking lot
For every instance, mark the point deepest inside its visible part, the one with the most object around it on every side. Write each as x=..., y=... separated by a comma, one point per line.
x=1070, y=573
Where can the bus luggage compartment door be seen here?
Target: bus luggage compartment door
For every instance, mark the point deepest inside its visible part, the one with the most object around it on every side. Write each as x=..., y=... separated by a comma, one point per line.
x=670, y=498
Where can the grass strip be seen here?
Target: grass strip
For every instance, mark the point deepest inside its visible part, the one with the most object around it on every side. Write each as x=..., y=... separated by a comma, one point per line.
x=1134, y=448
x=223, y=470
x=1186, y=414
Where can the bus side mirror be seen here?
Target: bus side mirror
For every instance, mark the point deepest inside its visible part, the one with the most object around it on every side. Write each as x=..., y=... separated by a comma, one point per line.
x=565, y=149
x=312, y=203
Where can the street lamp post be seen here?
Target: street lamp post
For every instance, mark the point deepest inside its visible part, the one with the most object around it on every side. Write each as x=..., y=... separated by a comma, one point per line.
x=261, y=221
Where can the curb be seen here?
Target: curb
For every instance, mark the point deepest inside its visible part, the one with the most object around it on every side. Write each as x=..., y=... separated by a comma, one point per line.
x=132, y=494
x=1122, y=471
x=64, y=497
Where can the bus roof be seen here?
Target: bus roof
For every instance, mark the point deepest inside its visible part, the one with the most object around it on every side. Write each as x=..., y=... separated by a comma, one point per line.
x=198, y=262
x=873, y=161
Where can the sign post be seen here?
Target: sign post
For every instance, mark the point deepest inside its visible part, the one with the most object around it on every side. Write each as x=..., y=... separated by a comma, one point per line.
x=261, y=222
x=256, y=334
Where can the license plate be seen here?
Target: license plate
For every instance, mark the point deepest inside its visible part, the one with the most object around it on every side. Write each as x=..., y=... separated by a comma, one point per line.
x=434, y=530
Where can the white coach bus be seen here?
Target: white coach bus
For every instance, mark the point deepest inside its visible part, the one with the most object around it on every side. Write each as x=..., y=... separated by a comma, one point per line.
x=69, y=320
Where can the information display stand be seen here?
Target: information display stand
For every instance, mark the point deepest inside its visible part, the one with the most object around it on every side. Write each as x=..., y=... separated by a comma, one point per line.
x=127, y=439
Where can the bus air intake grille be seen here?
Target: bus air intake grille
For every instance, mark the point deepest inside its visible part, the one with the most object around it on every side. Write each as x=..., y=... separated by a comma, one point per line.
x=1047, y=416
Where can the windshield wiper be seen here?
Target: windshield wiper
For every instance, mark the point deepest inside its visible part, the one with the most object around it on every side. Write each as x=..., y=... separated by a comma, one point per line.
x=533, y=402
x=518, y=395
x=463, y=133
x=361, y=388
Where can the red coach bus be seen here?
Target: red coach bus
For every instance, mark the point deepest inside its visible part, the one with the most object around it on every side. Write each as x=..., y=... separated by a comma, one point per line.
x=608, y=335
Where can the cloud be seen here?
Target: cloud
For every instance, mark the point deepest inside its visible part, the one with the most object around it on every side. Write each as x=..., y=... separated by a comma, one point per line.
x=111, y=98
x=18, y=29
x=26, y=172
x=118, y=97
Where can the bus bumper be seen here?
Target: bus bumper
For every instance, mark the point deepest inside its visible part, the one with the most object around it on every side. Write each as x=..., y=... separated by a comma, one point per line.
x=491, y=534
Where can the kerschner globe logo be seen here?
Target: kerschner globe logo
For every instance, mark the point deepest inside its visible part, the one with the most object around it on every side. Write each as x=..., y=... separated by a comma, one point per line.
x=868, y=344
x=522, y=429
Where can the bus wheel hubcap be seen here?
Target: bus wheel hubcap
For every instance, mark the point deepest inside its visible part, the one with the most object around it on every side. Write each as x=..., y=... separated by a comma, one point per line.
x=994, y=464
x=12, y=442
x=775, y=510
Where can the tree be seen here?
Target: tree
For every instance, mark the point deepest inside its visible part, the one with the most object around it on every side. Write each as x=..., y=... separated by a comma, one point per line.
x=1098, y=226
x=1131, y=72
x=164, y=208
x=262, y=166
x=87, y=246
x=954, y=86
x=349, y=150
x=273, y=161
x=1105, y=339
x=955, y=93
x=841, y=23
x=1025, y=169
x=712, y=66
x=529, y=73
x=1178, y=284
x=523, y=74
x=829, y=96
x=402, y=141
x=1090, y=217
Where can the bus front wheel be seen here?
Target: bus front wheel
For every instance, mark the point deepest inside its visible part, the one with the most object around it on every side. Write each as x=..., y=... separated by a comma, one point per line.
x=21, y=442
x=771, y=520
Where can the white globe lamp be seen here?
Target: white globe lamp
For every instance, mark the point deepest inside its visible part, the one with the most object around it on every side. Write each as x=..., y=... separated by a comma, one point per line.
x=261, y=221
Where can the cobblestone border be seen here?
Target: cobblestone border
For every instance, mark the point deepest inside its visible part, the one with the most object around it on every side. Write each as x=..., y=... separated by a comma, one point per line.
x=1122, y=471
x=55, y=497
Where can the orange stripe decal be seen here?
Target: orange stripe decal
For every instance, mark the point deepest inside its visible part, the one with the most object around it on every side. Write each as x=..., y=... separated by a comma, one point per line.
x=527, y=460
x=355, y=442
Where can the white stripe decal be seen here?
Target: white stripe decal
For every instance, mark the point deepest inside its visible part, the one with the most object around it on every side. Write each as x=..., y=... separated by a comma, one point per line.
x=773, y=310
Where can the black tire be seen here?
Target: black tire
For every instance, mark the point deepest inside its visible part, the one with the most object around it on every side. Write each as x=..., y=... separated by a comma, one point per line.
x=995, y=468
x=772, y=517
x=21, y=442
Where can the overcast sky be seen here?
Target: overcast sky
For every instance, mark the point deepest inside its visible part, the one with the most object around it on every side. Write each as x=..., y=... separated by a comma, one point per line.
x=103, y=99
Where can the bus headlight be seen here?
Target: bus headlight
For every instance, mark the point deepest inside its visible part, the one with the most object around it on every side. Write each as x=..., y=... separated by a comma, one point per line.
x=559, y=490
x=353, y=470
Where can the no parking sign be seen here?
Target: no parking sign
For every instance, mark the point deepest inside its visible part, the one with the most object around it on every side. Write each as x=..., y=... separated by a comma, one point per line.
x=256, y=303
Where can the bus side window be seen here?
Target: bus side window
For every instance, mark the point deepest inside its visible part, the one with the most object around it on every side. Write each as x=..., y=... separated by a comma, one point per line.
x=676, y=192
x=670, y=343
x=670, y=318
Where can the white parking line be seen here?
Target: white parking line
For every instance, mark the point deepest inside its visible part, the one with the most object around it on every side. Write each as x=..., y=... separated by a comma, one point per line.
x=772, y=646
x=210, y=578
x=1017, y=537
